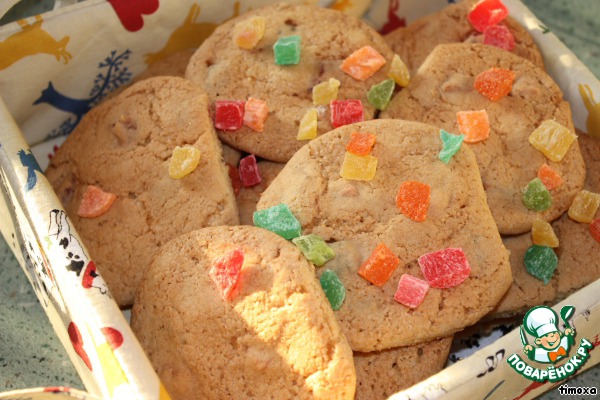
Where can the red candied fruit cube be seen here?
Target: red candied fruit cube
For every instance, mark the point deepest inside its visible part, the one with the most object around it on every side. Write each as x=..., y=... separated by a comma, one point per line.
x=249, y=172
x=360, y=144
x=229, y=115
x=487, y=13
x=234, y=177
x=380, y=265
x=344, y=112
x=225, y=272
x=445, y=268
x=411, y=291
x=595, y=229
x=494, y=83
x=499, y=36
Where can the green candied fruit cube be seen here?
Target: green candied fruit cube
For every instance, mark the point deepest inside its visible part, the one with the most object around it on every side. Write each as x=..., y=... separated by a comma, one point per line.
x=334, y=289
x=278, y=219
x=536, y=197
x=314, y=249
x=450, y=145
x=287, y=50
x=541, y=261
x=380, y=94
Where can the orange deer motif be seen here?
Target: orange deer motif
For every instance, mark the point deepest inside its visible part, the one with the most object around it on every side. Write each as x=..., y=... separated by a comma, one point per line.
x=593, y=120
x=189, y=35
x=31, y=40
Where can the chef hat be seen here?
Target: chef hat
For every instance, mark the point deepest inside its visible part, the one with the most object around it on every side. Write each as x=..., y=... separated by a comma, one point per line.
x=540, y=321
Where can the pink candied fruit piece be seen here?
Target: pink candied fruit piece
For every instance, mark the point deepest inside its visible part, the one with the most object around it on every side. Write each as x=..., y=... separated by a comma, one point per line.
x=229, y=115
x=445, y=268
x=234, y=176
x=95, y=202
x=249, y=172
x=225, y=272
x=487, y=13
x=411, y=291
x=595, y=229
x=499, y=36
x=344, y=112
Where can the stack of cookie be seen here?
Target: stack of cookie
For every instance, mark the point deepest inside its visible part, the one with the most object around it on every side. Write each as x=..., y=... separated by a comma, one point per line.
x=284, y=119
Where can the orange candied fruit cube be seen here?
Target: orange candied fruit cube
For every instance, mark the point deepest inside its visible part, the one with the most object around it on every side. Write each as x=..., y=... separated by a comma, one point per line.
x=255, y=114
x=95, y=202
x=475, y=125
x=495, y=83
x=363, y=63
x=380, y=265
x=247, y=33
x=360, y=143
x=413, y=200
x=549, y=177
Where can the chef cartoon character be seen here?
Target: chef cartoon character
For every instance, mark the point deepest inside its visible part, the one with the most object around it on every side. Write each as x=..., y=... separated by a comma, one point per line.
x=553, y=345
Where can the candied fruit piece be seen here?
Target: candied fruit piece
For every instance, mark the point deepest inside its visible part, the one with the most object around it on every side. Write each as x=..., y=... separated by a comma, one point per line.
x=552, y=139
x=308, y=125
x=314, y=249
x=247, y=33
x=413, y=200
x=344, y=112
x=595, y=229
x=255, y=114
x=358, y=168
x=541, y=261
x=380, y=265
x=363, y=63
x=229, y=114
x=549, y=177
x=380, y=94
x=278, y=219
x=494, y=83
x=450, y=145
x=184, y=161
x=584, y=206
x=536, y=197
x=287, y=50
x=334, y=289
x=95, y=202
x=445, y=268
x=543, y=234
x=360, y=143
x=225, y=272
x=399, y=71
x=249, y=172
x=487, y=13
x=234, y=177
x=325, y=92
x=411, y=291
x=499, y=36
x=475, y=125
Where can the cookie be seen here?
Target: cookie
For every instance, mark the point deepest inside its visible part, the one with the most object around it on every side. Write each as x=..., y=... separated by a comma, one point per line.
x=124, y=147
x=443, y=86
x=380, y=374
x=276, y=338
x=414, y=42
x=328, y=37
x=578, y=263
x=248, y=197
x=354, y=217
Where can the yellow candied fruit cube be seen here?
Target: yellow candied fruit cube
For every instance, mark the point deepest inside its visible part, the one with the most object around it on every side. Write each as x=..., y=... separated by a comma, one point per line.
x=552, y=139
x=358, y=168
x=325, y=92
x=184, y=160
x=543, y=234
x=399, y=71
x=308, y=125
x=584, y=206
x=247, y=33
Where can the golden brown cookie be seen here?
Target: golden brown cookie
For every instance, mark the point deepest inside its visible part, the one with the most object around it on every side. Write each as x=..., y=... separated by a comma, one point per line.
x=380, y=374
x=356, y=216
x=414, y=42
x=276, y=338
x=248, y=197
x=228, y=72
x=124, y=147
x=444, y=85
